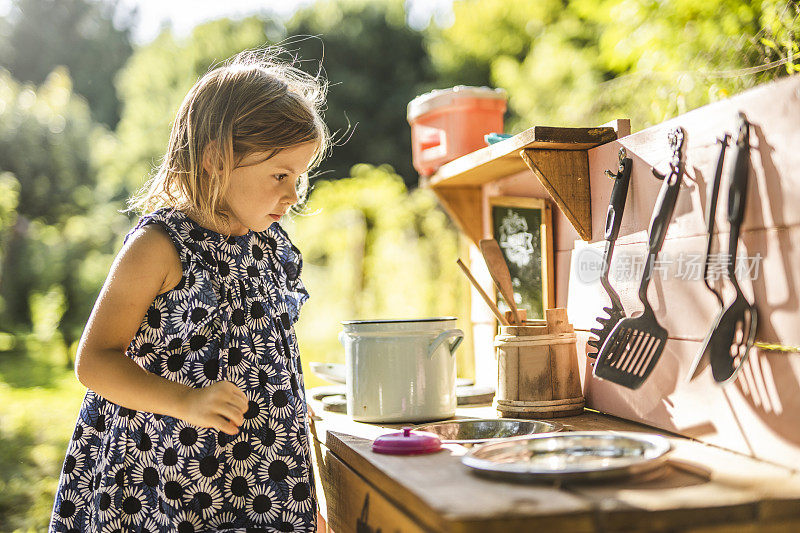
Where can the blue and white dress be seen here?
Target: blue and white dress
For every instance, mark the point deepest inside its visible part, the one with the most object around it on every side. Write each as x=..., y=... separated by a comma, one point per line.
x=231, y=317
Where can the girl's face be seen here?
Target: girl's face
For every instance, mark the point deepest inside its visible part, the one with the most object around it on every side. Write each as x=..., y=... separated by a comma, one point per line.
x=261, y=190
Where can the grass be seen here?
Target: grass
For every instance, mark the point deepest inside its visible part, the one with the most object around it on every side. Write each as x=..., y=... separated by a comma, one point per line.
x=39, y=403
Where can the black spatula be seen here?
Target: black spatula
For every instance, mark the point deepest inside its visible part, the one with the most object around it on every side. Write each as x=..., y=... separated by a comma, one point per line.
x=616, y=206
x=635, y=344
x=735, y=330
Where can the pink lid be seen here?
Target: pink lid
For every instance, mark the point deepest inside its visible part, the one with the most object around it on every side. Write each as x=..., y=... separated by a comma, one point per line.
x=407, y=442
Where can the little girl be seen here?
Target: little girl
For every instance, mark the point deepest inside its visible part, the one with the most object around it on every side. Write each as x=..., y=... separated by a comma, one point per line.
x=195, y=417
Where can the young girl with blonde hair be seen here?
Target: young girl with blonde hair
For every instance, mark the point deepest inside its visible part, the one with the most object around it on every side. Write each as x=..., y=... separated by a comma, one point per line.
x=195, y=414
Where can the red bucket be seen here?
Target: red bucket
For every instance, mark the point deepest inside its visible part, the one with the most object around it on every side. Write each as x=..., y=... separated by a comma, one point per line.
x=449, y=123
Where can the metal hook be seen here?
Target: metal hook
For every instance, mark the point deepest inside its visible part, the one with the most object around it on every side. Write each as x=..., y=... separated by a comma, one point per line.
x=622, y=155
x=676, y=138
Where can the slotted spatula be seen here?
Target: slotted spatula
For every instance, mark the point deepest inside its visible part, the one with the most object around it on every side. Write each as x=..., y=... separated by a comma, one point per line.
x=736, y=327
x=728, y=343
x=616, y=206
x=635, y=344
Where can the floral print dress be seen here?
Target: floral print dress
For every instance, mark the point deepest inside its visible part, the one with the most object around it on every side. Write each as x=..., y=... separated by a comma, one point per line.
x=231, y=317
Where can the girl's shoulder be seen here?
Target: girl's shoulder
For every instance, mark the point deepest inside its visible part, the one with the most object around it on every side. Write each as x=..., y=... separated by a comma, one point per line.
x=152, y=246
x=167, y=218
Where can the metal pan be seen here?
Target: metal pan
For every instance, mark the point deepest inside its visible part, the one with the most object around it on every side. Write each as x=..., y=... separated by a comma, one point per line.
x=470, y=431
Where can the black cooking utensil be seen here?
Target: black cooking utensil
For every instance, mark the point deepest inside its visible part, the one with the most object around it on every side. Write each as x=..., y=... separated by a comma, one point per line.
x=635, y=344
x=735, y=330
x=616, y=206
x=712, y=193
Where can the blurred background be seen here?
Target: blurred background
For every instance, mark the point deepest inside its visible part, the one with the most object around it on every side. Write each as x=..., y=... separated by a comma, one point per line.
x=88, y=90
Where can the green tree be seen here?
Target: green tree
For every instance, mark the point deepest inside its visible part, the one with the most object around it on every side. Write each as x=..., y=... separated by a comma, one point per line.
x=92, y=38
x=62, y=224
x=376, y=64
x=584, y=62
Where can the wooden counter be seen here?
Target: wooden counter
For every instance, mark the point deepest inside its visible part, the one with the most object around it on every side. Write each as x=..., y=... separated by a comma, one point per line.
x=703, y=489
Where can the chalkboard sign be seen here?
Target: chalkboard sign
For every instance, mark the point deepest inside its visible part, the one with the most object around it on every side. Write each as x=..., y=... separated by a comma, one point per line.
x=522, y=227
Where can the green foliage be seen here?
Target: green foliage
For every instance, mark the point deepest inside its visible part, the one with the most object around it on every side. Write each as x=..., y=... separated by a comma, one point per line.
x=367, y=96
x=9, y=199
x=57, y=223
x=372, y=250
x=45, y=139
x=781, y=33
x=585, y=62
x=375, y=65
x=89, y=37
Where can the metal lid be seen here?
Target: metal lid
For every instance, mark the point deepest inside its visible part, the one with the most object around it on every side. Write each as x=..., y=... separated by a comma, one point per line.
x=443, y=97
x=399, y=320
x=569, y=456
x=407, y=442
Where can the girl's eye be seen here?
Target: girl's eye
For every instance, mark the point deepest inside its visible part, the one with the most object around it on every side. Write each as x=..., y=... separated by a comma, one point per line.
x=281, y=177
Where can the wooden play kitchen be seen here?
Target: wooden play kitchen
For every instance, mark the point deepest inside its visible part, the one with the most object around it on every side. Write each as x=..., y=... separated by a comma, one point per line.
x=615, y=223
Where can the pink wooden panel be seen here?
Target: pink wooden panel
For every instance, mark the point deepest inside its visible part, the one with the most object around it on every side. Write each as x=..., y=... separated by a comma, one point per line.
x=683, y=305
x=756, y=414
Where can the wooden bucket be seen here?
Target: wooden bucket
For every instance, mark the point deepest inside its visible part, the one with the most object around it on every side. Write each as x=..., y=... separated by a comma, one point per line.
x=538, y=369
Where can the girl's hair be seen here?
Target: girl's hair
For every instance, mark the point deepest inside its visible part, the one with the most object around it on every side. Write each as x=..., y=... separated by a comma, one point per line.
x=253, y=102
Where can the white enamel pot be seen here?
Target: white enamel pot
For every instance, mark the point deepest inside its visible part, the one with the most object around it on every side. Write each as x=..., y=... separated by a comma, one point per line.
x=401, y=370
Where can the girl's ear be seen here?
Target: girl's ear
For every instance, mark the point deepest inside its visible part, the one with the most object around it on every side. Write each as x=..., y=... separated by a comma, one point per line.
x=210, y=157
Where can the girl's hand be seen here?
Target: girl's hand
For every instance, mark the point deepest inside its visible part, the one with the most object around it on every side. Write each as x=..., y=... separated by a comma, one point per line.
x=220, y=406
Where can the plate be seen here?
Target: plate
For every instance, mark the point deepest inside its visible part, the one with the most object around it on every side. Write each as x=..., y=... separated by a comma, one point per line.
x=331, y=371
x=473, y=431
x=588, y=455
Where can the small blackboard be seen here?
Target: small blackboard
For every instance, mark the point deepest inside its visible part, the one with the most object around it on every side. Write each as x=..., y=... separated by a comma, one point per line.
x=523, y=229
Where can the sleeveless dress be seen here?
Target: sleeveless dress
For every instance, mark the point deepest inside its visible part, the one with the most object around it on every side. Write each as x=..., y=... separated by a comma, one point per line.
x=231, y=317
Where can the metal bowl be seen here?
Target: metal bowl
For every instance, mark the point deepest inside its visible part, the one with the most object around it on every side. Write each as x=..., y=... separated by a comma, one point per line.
x=589, y=455
x=471, y=431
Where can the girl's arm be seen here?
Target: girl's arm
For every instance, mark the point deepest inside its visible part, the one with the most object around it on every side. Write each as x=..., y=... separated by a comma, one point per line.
x=147, y=265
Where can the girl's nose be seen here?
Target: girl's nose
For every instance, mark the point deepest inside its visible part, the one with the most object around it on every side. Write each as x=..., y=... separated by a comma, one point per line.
x=291, y=192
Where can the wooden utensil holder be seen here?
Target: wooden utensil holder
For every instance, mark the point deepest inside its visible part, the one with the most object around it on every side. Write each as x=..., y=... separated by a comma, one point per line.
x=538, y=369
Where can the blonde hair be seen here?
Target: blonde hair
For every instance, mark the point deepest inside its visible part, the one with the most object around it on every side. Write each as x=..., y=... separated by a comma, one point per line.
x=253, y=102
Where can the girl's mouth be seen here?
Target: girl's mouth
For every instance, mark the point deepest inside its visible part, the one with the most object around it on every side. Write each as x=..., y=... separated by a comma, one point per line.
x=275, y=217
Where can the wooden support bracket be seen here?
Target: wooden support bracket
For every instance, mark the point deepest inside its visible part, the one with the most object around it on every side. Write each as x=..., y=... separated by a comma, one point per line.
x=565, y=175
x=463, y=204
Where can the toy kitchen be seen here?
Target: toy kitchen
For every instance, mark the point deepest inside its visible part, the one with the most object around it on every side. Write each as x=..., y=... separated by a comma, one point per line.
x=633, y=321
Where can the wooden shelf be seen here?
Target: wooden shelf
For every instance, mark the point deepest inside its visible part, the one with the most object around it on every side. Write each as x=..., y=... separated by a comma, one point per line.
x=556, y=156
x=502, y=159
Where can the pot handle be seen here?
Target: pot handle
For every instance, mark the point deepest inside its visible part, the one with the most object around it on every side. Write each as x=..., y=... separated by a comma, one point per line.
x=342, y=335
x=443, y=336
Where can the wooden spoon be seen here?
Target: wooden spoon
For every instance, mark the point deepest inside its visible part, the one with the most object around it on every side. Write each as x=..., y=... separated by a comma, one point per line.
x=498, y=268
x=480, y=290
